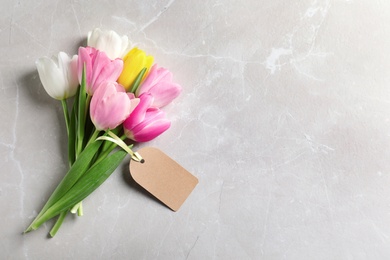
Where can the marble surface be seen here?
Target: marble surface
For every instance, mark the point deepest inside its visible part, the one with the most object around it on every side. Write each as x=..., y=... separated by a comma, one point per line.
x=284, y=118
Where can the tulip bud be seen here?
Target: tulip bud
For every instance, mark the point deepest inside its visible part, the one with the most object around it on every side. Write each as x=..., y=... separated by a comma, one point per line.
x=99, y=68
x=111, y=105
x=58, y=75
x=159, y=84
x=114, y=45
x=134, y=62
x=145, y=123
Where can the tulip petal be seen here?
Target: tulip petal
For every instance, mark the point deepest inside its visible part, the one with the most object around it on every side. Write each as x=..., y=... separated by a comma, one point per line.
x=159, y=84
x=165, y=93
x=110, y=106
x=151, y=128
x=138, y=114
x=105, y=69
x=99, y=68
x=153, y=124
x=109, y=42
x=49, y=73
x=58, y=75
x=84, y=59
x=134, y=61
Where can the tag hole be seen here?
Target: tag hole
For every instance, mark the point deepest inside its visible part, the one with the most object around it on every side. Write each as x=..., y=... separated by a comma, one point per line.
x=142, y=161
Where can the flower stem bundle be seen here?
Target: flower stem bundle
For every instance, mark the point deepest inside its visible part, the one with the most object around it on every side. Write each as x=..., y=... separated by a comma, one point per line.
x=103, y=114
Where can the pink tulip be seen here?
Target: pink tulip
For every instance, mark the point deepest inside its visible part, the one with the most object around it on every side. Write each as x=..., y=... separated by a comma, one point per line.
x=111, y=105
x=159, y=84
x=145, y=123
x=99, y=68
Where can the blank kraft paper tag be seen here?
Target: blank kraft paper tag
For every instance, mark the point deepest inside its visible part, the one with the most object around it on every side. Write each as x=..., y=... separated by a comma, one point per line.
x=163, y=177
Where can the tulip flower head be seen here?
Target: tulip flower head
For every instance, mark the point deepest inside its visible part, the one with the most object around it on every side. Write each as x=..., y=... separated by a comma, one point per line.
x=134, y=61
x=99, y=68
x=114, y=45
x=111, y=105
x=159, y=84
x=58, y=75
x=145, y=123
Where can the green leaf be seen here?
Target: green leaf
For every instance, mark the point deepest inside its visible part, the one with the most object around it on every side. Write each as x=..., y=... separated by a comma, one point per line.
x=138, y=80
x=80, y=167
x=72, y=139
x=89, y=182
x=81, y=112
x=89, y=126
x=66, y=114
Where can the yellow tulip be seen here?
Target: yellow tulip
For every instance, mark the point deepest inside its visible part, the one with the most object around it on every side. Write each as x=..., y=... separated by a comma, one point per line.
x=134, y=61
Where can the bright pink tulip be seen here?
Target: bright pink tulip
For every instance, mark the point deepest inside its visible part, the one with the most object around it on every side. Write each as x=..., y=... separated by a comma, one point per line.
x=99, y=68
x=159, y=84
x=145, y=123
x=111, y=105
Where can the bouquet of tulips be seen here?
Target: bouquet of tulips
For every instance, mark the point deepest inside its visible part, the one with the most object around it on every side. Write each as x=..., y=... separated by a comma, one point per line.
x=117, y=93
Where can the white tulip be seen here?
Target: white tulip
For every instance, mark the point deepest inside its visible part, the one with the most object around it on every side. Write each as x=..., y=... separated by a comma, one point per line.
x=109, y=42
x=59, y=75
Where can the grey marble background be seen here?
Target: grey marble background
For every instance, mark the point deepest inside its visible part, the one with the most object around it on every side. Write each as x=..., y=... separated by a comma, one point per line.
x=284, y=118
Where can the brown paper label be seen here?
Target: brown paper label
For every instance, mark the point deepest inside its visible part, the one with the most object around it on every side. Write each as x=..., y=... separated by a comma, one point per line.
x=163, y=177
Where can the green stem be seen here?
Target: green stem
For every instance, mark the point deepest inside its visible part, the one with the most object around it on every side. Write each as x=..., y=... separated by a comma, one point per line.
x=93, y=137
x=58, y=223
x=66, y=114
x=87, y=102
x=82, y=107
x=62, y=216
x=80, y=211
x=138, y=80
x=79, y=206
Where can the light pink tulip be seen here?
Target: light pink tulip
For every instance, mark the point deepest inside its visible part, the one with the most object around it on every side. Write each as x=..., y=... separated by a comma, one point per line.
x=111, y=105
x=145, y=123
x=99, y=68
x=159, y=84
